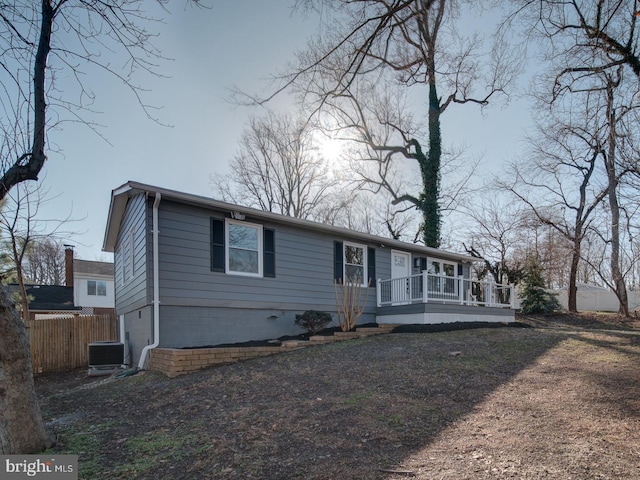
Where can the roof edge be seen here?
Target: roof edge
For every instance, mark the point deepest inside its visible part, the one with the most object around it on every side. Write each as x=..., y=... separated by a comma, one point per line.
x=120, y=196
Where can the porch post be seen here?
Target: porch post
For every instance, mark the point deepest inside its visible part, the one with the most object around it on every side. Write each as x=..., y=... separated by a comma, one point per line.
x=461, y=289
x=378, y=293
x=425, y=287
x=512, y=295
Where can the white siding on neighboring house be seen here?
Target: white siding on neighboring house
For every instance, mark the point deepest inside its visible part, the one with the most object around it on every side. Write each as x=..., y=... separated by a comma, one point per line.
x=93, y=291
x=93, y=285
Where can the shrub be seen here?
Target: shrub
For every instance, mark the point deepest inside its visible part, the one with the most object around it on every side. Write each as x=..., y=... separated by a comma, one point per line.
x=313, y=321
x=349, y=303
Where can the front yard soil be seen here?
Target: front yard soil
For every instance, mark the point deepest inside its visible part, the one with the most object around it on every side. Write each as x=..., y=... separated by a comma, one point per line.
x=557, y=400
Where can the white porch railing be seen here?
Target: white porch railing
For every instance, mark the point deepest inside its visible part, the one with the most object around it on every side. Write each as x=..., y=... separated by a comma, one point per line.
x=443, y=289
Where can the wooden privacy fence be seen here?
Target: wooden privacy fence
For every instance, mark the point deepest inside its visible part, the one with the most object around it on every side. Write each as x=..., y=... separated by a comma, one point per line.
x=62, y=343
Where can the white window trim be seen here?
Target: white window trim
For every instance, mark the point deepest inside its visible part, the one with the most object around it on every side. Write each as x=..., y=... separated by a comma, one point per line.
x=96, y=287
x=365, y=261
x=442, y=263
x=128, y=265
x=132, y=259
x=227, y=246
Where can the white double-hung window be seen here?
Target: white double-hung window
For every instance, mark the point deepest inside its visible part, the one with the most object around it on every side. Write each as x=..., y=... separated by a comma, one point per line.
x=244, y=248
x=355, y=263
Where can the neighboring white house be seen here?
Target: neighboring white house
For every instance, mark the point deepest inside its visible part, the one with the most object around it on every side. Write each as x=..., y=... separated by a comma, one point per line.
x=93, y=284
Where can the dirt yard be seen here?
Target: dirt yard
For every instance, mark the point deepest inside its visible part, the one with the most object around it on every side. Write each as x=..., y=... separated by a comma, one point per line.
x=559, y=399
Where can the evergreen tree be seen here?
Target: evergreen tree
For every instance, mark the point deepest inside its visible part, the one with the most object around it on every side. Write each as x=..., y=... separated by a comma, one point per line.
x=535, y=298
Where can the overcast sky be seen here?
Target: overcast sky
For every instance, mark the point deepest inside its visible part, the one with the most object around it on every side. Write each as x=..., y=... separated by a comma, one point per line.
x=239, y=42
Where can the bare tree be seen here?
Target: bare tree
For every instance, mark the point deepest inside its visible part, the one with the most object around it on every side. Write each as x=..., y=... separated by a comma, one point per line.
x=558, y=183
x=38, y=39
x=278, y=168
x=386, y=155
x=372, y=213
x=613, y=115
x=494, y=233
x=414, y=43
x=16, y=219
x=45, y=262
x=28, y=238
x=590, y=45
x=599, y=36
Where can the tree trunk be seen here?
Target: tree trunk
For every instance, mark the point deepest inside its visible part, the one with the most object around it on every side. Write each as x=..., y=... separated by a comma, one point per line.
x=572, y=291
x=620, y=288
x=430, y=169
x=21, y=427
x=26, y=315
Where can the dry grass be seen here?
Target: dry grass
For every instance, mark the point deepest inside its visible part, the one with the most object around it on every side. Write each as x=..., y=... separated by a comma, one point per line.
x=491, y=403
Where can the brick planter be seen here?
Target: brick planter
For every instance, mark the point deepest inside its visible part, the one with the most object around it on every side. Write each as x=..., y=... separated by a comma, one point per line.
x=177, y=361
x=346, y=335
x=323, y=339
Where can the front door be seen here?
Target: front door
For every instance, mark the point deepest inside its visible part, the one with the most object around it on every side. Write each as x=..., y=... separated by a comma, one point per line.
x=401, y=273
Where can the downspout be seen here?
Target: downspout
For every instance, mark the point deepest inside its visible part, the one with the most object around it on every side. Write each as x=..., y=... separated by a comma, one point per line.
x=123, y=340
x=156, y=287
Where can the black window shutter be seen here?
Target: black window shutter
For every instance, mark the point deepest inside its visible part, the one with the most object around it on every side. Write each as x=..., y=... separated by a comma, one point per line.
x=371, y=265
x=269, y=253
x=337, y=261
x=423, y=264
x=217, y=245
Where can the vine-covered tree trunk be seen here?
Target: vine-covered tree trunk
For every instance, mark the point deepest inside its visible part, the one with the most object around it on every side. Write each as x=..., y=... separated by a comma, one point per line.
x=21, y=427
x=430, y=170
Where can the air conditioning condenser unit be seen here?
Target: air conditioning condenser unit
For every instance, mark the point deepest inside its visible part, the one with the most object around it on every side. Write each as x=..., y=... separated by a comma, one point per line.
x=105, y=358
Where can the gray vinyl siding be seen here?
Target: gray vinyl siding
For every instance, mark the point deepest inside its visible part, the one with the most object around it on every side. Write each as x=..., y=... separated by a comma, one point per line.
x=201, y=307
x=304, y=267
x=138, y=327
x=215, y=326
x=132, y=293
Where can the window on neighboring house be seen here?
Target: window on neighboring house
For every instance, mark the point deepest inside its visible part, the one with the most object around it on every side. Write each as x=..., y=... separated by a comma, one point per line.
x=354, y=263
x=242, y=248
x=97, y=288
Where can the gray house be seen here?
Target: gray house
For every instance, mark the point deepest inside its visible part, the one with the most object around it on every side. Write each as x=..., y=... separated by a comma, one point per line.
x=192, y=271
